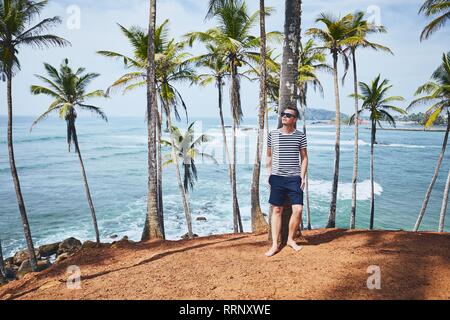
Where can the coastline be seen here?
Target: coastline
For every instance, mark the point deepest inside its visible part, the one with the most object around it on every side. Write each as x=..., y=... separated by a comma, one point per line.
x=233, y=266
x=409, y=129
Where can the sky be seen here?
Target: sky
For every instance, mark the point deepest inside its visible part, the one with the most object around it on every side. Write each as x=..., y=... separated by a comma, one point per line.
x=91, y=26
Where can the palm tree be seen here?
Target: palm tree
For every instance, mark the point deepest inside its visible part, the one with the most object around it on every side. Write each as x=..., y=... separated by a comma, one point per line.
x=437, y=94
x=184, y=146
x=361, y=28
x=172, y=65
x=378, y=104
x=68, y=89
x=16, y=31
x=233, y=38
x=259, y=224
x=154, y=220
x=214, y=61
x=440, y=11
x=334, y=37
x=311, y=60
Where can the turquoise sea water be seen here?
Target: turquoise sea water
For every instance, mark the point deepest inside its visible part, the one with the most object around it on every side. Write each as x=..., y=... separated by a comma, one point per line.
x=115, y=159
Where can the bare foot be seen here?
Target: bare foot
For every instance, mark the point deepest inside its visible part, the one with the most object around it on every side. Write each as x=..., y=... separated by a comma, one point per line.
x=294, y=245
x=272, y=251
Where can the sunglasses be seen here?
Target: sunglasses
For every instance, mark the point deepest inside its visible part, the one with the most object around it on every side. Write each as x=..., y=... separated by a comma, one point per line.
x=288, y=115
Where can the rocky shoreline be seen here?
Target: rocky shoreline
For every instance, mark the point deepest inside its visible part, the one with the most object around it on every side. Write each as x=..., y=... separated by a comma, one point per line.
x=17, y=266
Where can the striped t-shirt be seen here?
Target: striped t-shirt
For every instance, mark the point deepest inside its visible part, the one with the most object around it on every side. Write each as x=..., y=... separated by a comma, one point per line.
x=286, y=160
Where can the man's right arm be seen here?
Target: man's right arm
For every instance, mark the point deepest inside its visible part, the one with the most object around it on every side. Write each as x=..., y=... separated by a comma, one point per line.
x=269, y=162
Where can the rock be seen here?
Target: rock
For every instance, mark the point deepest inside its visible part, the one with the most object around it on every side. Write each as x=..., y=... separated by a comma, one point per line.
x=62, y=257
x=201, y=219
x=10, y=272
x=186, y=236
x=23, y=255
x=43, y=264
x=3, y=279
x=89, y=244
x=70, y=245
x=9, y=263
x=114, y=236
x=25, y=267
x=48, y=250
x=122, y=241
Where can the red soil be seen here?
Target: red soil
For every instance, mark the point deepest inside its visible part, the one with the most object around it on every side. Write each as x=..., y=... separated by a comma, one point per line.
x=332, y=265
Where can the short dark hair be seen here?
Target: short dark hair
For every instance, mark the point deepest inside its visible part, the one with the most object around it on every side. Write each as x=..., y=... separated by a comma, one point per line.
x=297, y=114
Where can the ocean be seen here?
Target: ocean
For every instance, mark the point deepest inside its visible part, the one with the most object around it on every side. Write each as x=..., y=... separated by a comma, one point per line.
x=115, y=157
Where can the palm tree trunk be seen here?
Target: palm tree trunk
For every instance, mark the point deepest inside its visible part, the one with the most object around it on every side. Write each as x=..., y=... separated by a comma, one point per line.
x=372, y=189
x=435, y=175
x=236, y=107
x=332, y=215
x=226, y=152
x=237, y=221
x=15, y=176
x=308, y=207
x=153, y=228
x=2, y=266
x=444, y=204
x=288, y=73
x=259, y=224
x=227, y=155
x=184, y=194
x=86, y=185
x=159, y=155
x=355, y=157
x=160, y=191
x=160, y=173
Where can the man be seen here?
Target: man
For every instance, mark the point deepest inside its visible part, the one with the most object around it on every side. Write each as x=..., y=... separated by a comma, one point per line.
x=287, y=164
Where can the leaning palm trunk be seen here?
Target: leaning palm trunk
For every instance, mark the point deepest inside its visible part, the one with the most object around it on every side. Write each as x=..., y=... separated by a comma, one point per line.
x=372, y=189
x=226, y=152
x=153, y=228
x=235, y=105
x=15, y=176
x=86, y=185
x=355, y=157
x=259, y=224
x=184, y=195
x=435, y=175
x=227, y=155
x=444, y=204
x=334, y=191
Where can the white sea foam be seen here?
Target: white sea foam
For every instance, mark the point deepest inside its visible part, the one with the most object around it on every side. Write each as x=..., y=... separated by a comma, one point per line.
x=321, y=188
x=400, y=145
x=343, y=142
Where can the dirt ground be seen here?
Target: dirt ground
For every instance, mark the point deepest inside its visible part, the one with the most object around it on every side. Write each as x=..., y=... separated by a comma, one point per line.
x=333, y=264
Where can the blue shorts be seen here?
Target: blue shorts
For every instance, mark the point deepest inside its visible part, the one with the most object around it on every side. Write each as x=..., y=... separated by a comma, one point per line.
x=282, y=187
